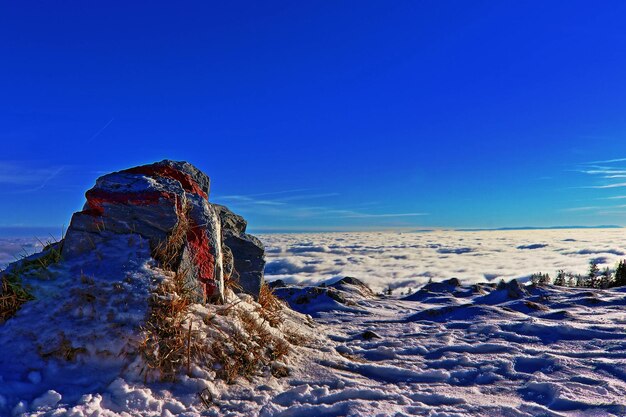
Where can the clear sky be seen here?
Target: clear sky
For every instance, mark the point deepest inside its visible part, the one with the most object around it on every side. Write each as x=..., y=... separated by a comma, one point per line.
x=328, y=115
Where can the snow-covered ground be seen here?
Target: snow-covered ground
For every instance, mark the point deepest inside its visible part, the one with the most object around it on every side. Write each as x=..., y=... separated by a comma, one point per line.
x=451, y=350
x=462, y=351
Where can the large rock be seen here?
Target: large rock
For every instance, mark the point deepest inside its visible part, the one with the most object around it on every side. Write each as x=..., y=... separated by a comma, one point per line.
x=167, y=202
x=247, y=251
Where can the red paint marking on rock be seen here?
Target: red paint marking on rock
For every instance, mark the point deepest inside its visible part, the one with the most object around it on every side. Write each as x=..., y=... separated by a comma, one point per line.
x=202, y=257
x=97, y=198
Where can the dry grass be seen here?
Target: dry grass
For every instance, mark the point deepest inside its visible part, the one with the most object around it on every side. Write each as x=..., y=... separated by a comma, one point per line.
x=244, y=353
x=235, y=340
x=168, y=251
x=12, y=291
x=53, y=250
x=295, y=338
x=64, y=350
x=12, y=296
x=167, y=344
x=232, y=281
x=270, y=306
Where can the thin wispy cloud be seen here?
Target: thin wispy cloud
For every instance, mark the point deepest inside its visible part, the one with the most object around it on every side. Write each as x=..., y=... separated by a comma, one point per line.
x=266, y=194
x=307, y=197
x=576, y=209
x=17, y=174
x=242, y=199
x=606, y=175
x=602, y=171
x=591, y=208
x=44, y=182
x=250, y=199
x=607, y=161
x=611, y=213
x=606, y=186
x=289, y=206
x=367, y=215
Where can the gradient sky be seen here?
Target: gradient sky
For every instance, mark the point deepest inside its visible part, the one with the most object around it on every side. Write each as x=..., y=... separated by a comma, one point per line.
x=322, y=115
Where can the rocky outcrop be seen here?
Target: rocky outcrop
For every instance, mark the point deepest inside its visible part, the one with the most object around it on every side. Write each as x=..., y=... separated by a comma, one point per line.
x=513, y=289
x=345, y=294
x=247, y=251
x=167, y=203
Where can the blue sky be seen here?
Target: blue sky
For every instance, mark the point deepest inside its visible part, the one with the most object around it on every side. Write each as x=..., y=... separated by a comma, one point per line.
x=322, y=115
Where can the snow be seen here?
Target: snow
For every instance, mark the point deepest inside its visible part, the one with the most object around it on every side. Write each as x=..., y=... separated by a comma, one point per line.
x=454, y=350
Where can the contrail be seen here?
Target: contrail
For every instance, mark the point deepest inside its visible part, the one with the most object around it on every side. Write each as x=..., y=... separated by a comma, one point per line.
x=100, y=131
x=44, y=183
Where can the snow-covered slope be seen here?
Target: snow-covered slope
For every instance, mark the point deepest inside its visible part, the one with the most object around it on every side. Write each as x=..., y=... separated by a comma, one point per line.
x=76, y=348
x=446, y=351
x=474, y=351
x=90, y=307
x=452, y=349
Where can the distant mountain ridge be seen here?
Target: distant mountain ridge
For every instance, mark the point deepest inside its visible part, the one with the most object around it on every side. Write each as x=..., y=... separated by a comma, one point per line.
x=608, y=226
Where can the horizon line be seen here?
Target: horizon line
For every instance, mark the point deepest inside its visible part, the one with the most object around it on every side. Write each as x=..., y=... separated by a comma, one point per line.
x=24, y=231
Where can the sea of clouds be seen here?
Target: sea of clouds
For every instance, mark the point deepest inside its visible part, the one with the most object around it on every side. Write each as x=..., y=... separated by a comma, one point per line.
x=12, y=249
x=408, y=260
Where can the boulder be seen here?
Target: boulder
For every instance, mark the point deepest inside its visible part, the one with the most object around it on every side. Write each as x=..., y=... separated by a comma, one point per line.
x=513, y=289
x=351, y=284
x=279, y=283
x=167, y=204
x=247, y=251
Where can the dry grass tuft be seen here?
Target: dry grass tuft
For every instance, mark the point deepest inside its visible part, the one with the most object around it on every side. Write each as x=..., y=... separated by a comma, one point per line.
x=244, y=353
x=234, y=340
x=168, y=251
x=167, y=344
x=12, y=291
x=295, y=338
x=231, y=276
x=12, y=296
x=232, y=281
x=270, y=306
x=64, y=350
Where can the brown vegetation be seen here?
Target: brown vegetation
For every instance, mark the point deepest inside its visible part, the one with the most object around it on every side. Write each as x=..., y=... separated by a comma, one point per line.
x=242, y=352
x=168, y=251
x=270, y=306
x=235, y=340
x=12, y=296
x=166, y=345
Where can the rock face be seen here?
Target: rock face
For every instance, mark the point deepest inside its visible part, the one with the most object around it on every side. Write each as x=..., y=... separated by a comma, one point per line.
x=167, y=204
x=248, y=251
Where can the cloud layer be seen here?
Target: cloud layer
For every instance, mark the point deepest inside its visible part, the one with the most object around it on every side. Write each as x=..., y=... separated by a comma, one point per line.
x=14, y=248
x=411, y=259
